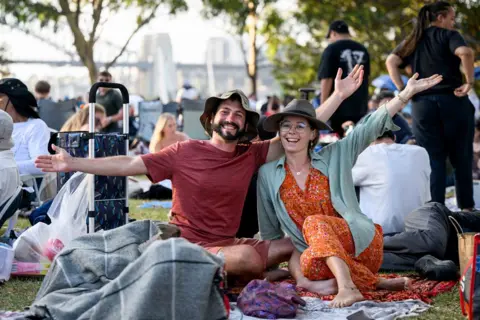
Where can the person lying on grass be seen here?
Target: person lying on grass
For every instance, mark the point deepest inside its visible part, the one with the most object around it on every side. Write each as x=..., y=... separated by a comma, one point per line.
x=311, y=197
x=211, y=178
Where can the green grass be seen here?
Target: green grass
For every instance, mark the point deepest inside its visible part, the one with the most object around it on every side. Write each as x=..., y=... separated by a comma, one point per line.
x=20, y=292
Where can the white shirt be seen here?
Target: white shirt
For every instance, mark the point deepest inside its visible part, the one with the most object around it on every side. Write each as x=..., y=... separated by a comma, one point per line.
x=30, y=140
x=9, y=177
x=394, y=179
x=190, y=93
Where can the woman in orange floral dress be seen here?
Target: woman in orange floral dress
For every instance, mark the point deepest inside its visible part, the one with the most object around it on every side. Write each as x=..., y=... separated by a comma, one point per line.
x=310, y=197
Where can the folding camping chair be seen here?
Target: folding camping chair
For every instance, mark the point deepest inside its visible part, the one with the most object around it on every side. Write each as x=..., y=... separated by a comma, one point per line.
x=192, y=110
x=11, y=205
x=56, y=115
x=148, y=113
x=32, y=181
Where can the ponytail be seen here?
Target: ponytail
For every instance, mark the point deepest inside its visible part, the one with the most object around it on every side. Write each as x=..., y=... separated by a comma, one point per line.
x=427, y=14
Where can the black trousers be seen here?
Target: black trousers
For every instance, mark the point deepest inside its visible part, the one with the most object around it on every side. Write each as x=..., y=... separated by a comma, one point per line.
x=444, y=125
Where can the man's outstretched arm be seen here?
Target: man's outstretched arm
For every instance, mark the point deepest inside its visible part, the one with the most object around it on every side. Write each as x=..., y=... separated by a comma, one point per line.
x=109, y=166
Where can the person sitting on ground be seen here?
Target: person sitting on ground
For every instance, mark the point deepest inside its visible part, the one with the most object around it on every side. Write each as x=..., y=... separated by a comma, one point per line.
x=79, y=121
x=311, y=197
x=211, y=178
x=187, y=91
x=9, y=176
x=165, y=133
x=42, y=94
x=394, y=179
x=30, y=133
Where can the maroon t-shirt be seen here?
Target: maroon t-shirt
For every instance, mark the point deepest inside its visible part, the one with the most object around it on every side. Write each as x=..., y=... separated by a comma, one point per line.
x=209, y=185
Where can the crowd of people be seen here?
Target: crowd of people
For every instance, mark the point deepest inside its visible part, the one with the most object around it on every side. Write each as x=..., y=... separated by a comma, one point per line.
x=324, y=212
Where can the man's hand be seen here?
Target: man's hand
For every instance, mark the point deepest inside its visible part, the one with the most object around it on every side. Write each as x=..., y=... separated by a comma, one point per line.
x=415, y=86
x=463, y=90
x=60, y=162
x=344, y=88
x=106, y=121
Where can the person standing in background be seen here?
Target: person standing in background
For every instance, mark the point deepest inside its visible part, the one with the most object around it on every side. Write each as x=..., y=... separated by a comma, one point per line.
x=443, y=117
x=344, y=53
x=112, y=101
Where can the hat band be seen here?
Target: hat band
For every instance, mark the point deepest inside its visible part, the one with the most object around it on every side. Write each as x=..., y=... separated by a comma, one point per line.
x=302, y=113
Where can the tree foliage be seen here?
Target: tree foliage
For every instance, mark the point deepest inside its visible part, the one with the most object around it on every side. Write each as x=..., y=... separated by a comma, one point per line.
x=3, y=61
x=380, y=25
x=249, y=18
x=73, y=13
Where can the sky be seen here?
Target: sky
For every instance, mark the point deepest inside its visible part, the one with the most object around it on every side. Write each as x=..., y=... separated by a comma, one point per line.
x=189, y=32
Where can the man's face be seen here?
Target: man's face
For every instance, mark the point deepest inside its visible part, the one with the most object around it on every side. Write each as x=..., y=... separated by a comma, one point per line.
x=229, y=120
x=333, y=37
x=104, y=79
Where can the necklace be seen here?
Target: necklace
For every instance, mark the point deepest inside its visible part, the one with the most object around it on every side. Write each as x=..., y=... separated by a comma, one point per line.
x=298, y=172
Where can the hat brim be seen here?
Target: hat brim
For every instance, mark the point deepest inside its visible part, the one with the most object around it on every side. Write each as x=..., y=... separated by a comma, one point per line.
x=271, y=123
x=212, y=103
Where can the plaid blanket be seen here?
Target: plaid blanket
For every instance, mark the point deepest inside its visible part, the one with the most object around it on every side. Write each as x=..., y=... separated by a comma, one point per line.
x=105, y=276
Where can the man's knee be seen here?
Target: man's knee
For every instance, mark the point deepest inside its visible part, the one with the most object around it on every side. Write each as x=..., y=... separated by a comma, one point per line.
x=243, y=258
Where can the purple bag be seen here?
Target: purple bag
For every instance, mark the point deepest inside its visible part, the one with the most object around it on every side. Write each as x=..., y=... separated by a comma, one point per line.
x=266, y=300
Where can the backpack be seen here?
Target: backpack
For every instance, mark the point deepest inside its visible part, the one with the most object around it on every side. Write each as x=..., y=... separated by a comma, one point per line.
x=470, y=284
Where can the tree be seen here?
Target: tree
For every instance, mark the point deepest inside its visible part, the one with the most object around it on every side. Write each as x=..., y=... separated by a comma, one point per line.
x=3, y=61
x=74, y=13
x=380, y=25
x=246, y=17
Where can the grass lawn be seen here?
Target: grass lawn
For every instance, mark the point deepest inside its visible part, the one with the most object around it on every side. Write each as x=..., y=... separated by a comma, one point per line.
x=20, y=292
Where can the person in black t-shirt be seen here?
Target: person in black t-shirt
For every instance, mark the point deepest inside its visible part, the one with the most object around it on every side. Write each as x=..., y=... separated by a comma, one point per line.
x=343, y=53
x=443, y=117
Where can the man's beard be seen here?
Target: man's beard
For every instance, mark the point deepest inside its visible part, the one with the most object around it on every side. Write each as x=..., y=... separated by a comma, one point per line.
x=217, y=127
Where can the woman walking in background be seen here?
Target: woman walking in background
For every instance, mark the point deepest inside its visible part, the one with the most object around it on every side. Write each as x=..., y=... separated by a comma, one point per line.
x=443, y=117
x=165, y=133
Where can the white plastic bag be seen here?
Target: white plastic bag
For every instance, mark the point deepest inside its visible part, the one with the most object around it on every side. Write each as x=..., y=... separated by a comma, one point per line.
x=68, y=214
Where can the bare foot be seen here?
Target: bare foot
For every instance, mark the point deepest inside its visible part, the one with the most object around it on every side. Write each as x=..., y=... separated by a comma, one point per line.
x=346, y=297
x=276, y=275
x=322, y=287
x=396, y=284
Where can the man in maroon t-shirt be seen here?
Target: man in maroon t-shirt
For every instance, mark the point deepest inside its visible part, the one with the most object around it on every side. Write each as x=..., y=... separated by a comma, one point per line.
x=210, y=178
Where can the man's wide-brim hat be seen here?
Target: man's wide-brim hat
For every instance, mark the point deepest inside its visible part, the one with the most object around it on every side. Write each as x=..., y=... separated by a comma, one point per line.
x=299, y=108
x=212, y=104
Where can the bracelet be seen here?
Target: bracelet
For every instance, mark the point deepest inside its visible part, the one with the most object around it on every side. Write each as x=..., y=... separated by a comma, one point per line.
x=403, y=100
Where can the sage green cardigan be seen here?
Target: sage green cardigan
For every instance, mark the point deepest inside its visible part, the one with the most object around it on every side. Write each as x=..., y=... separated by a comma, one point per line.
x=334, y=161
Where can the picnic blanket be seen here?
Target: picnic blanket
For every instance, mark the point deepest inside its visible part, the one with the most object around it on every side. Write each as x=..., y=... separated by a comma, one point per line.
x=421, y=289
x=113, y=275
x=365, y=310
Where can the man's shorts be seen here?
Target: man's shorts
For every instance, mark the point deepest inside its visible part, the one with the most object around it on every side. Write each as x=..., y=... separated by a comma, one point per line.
x=260, y=246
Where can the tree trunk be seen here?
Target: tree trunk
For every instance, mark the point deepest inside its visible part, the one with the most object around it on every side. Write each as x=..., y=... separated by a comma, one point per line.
x=92, y=67
x=252, y=54
x=86, y=56
x=84, y=48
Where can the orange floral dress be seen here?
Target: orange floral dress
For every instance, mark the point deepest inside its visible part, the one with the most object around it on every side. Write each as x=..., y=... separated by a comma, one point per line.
x=326, y=233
